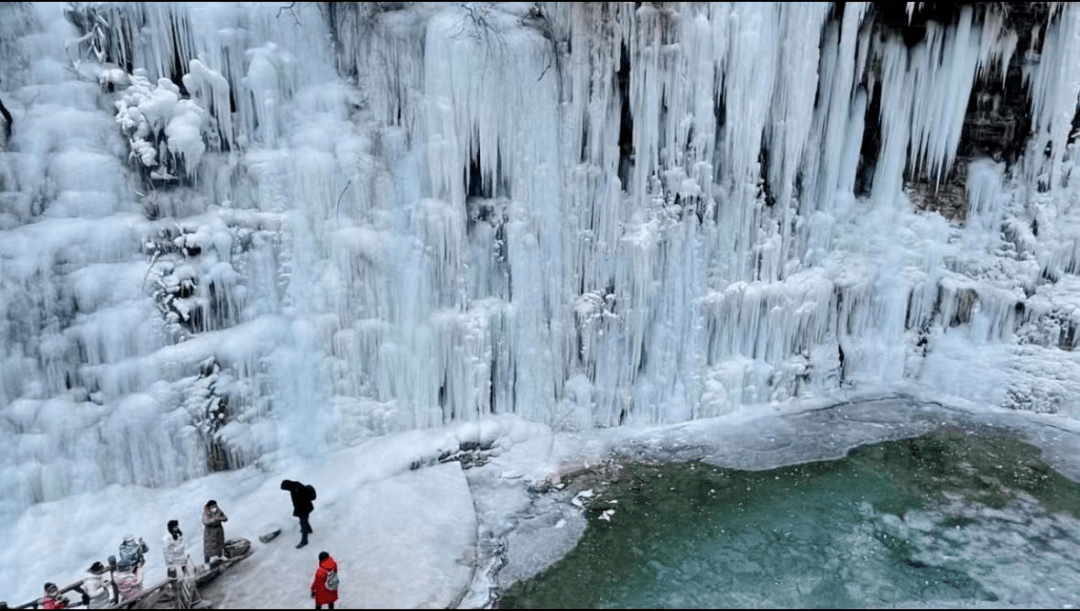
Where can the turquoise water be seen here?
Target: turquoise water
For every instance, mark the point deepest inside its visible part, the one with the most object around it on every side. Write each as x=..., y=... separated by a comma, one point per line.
x=949, y=519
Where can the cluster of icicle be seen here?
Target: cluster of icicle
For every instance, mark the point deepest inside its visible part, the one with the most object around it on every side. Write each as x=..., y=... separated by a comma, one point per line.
x=585, y=214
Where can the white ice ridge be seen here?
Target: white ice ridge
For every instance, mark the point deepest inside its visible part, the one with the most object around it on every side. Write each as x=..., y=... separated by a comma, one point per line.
x=246, y=227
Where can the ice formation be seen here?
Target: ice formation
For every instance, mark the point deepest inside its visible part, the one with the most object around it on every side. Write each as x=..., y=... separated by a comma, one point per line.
x=227, y=228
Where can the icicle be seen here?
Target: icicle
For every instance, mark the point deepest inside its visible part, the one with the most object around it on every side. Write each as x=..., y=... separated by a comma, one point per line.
x=911, y=8
x=984, y=189
x=749, y=77
x=837, y=85
x=792, y=105
x=849, y=158
x=925, y=98
x=897, y=83
x=1055, y=87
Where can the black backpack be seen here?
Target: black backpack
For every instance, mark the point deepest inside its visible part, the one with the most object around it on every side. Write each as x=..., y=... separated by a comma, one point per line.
x=311, y=492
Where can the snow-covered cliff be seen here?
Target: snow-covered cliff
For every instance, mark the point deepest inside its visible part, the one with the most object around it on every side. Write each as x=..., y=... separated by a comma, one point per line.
x=226, y=229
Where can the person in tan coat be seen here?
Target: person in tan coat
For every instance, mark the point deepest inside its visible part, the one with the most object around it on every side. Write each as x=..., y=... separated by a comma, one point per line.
x=213, y=531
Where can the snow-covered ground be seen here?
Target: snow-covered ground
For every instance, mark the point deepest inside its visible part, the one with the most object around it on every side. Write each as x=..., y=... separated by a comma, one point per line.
x=430, y=537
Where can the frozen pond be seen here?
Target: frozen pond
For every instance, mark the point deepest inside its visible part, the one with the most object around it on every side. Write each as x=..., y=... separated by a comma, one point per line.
x=963, y=516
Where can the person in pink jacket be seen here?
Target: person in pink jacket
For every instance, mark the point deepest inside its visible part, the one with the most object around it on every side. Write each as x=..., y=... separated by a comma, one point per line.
x=324, y=587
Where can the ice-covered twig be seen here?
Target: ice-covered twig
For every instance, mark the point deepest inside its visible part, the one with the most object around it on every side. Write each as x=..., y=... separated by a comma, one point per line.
x=337, y=208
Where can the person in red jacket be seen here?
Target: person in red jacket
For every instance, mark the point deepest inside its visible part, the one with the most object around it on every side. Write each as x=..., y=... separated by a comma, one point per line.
x=324, y=587
x=52, y=598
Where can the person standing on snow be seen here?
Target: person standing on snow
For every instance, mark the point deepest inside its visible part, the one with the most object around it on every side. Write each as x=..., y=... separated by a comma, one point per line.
x=213, y=531
x=303, y=496
x=324, y=587
x=172, y=547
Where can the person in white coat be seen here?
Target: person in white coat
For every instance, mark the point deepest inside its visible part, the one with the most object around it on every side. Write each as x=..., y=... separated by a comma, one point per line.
x=172, y=547
x=98, y=587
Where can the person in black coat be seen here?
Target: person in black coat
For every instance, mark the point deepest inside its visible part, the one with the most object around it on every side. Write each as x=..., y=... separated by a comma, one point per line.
x=302, y=497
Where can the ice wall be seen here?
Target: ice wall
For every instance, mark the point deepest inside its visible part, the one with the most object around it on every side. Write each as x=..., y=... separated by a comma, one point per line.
x=227, y=229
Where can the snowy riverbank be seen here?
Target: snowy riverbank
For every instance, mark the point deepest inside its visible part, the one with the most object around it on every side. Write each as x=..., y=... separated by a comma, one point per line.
x=439, y=535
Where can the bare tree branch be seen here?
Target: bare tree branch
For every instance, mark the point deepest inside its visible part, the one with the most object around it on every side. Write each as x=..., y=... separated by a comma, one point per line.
x=289, y=7
x=337, y=208
x=8, y=121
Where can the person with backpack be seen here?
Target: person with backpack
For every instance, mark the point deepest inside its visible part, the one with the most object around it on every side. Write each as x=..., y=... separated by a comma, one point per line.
x=128, y=579
x=303, y=496
x=131, y=556
x=324, y=589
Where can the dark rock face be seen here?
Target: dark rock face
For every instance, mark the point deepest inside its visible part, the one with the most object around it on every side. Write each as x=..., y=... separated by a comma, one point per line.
x=997, y=124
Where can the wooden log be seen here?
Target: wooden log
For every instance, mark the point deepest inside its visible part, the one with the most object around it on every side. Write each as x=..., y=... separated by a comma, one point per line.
x=34, y=604
x=152, y=595
x=211, y=574
x=270, y=536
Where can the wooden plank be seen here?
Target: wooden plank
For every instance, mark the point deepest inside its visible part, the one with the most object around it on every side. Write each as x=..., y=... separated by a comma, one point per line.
x=34, y=604
x=209, y=575
x=150, y=597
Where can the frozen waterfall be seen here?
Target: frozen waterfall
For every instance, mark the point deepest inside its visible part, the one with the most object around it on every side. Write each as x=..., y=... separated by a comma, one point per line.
x=229, y=228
